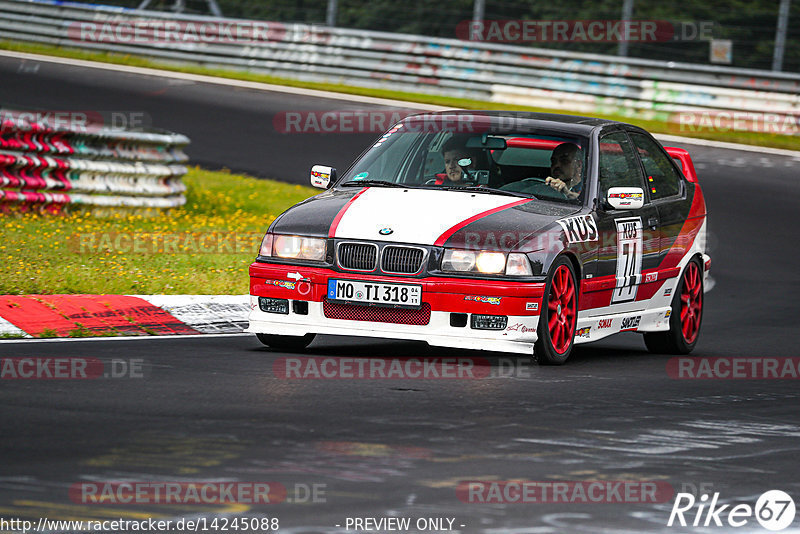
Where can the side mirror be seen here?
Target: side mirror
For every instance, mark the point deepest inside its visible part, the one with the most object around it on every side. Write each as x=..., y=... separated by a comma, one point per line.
x=625, y=198
x=322, y=176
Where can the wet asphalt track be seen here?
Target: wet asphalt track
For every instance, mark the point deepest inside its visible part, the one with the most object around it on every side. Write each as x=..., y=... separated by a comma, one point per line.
x=212, y=408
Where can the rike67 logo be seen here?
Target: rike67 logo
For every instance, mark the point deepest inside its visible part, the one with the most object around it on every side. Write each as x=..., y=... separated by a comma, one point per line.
x=774, y=510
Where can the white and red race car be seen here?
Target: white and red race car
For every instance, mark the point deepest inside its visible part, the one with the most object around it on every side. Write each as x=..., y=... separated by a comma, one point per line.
x=517, y=232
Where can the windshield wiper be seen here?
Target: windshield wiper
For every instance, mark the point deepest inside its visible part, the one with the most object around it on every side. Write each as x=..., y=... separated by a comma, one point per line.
x=378, y=183
x=484, y=189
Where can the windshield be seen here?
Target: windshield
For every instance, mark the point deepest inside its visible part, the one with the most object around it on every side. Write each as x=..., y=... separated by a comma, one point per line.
x=541, y=164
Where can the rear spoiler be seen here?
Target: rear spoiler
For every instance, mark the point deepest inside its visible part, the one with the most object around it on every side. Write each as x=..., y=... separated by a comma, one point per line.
x=685, y=160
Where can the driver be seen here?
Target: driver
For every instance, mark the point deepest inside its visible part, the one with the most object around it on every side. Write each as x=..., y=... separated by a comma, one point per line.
x=565, y=170
x=453, y=151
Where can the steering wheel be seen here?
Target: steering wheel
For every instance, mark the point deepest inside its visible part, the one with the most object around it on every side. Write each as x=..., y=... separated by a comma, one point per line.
x=536, y=187
x=431, y=181
x=543, y=181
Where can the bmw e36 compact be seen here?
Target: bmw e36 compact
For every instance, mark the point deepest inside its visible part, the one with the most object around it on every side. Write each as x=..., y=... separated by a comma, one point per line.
x=516, y=232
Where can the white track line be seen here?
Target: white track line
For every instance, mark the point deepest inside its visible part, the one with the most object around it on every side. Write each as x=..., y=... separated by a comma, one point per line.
x=28, y=341
x=339, y=96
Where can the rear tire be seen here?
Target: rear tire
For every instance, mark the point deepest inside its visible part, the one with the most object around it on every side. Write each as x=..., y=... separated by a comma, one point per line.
x=686, y=317
x=556, y=331
x=286, y=342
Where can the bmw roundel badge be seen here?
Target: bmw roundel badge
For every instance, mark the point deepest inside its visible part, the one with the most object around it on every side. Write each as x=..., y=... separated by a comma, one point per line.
x=385, y=231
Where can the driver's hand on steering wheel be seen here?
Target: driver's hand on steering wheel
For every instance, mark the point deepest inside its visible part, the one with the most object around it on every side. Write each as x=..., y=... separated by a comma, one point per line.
x=556, y=184
x=561, y=187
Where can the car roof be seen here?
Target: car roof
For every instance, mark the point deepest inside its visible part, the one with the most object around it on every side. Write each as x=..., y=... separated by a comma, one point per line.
x=525, y=120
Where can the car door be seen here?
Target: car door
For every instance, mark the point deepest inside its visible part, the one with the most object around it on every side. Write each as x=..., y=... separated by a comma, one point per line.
x=667, y=191
x=628, y=237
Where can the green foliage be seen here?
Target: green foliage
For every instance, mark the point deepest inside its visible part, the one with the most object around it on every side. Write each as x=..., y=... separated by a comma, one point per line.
x=217, y=233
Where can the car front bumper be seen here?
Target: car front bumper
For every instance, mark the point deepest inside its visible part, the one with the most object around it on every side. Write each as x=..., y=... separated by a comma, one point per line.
x=518, y=301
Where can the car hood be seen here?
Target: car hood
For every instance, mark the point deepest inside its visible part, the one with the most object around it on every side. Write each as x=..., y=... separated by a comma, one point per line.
x=421, y=216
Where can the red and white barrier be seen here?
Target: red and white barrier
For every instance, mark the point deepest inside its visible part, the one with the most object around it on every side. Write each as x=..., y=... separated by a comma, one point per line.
x=123, y=315
x=48, y=163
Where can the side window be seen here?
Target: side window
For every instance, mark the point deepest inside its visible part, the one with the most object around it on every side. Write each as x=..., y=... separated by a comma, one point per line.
x=662, y=178
x=618, y=164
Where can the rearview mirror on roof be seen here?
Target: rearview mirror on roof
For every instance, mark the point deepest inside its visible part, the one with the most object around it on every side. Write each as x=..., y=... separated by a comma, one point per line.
x=487, y=141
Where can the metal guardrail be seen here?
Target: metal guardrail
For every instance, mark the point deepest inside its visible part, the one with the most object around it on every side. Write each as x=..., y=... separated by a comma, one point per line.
x=512, y=74
x=47, y=165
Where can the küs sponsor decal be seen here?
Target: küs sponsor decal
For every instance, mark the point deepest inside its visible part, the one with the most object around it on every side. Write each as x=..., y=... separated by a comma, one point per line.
x=580, y=229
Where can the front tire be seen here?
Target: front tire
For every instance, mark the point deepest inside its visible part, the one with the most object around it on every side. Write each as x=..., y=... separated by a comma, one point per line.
x=559, y=315
x=286, y=342
x=687, y=315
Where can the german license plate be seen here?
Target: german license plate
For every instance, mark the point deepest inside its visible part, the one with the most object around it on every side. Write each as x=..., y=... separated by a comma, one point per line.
x=375, y=293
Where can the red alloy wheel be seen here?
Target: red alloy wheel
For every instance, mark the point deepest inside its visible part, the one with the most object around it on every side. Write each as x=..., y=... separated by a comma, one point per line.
x=561, y=306
x=691, y=302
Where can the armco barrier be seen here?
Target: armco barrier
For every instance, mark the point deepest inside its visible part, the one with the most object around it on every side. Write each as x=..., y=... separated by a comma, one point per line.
x=47, y=164
x=512, y=74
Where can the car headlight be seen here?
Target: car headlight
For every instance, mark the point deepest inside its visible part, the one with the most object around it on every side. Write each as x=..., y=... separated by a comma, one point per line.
x=294, y=247
x=486, y=262
x=518, y=265
x=490, y=262
x=458, y=260
x=266, y=246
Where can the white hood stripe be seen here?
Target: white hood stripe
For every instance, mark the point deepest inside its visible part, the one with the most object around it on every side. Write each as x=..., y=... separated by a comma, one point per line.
x=419, y=216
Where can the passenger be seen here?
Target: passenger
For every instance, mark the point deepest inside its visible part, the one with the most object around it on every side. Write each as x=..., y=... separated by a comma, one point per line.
x=453, y=151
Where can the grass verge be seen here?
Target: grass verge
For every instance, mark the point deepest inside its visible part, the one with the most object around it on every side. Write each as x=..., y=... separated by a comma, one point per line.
x=204, y=247
x=7, y=335
x=654, y=126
